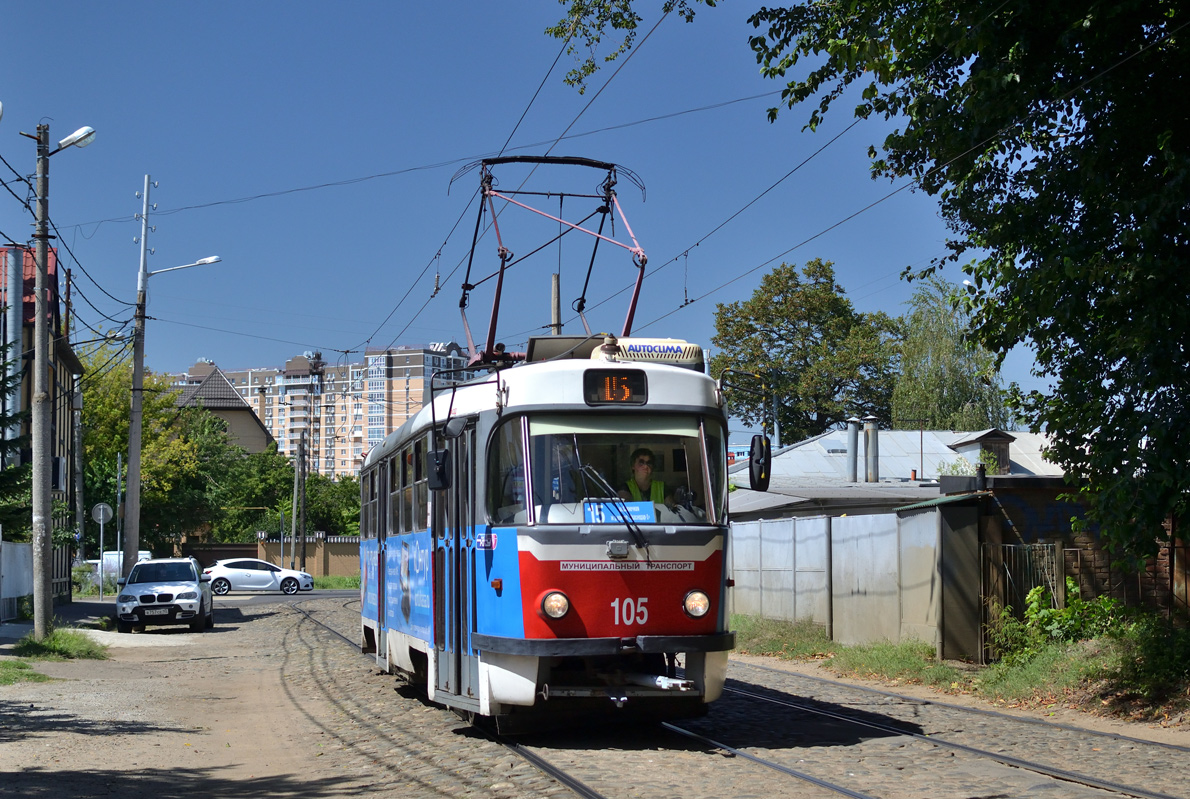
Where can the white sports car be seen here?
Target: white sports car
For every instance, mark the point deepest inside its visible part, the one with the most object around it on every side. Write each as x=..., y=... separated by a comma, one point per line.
x=250, y=574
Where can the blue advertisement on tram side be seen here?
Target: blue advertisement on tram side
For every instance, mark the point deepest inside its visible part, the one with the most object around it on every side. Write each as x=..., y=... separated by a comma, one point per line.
x=369, y=564
x=408, y=585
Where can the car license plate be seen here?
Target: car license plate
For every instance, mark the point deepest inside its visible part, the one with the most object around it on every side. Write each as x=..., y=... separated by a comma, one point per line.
x=156, y=611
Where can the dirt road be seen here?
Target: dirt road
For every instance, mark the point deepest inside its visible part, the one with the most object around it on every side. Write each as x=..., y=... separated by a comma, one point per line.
x=271, y=705
x=173, y=713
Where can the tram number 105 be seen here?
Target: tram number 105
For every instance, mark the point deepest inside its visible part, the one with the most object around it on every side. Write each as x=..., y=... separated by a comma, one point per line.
x=630, y=611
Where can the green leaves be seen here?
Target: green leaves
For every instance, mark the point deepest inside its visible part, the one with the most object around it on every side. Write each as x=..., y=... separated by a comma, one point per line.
x=821, y=359
x=1060, y=167
x=947, y=381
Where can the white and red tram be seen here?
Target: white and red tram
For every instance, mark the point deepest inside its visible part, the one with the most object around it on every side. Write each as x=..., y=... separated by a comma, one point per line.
x=509, y=575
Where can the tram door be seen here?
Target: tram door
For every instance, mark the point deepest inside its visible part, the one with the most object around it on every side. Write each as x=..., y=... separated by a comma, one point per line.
x=454, y=579
x=379, y=489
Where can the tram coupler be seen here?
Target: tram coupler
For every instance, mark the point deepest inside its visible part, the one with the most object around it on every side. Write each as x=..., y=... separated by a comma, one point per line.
x=658, y=681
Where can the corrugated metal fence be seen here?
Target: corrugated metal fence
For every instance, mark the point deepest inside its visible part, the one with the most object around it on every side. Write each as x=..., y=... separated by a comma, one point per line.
x=863, y=578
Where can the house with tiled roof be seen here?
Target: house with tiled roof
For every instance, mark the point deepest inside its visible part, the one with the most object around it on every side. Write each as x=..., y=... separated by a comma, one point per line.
x=215, y=393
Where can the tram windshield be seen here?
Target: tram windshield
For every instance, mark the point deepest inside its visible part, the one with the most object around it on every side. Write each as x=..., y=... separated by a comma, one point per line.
x=584, y=470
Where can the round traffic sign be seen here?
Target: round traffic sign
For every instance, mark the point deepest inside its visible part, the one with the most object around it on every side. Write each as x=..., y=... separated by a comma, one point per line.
x=102, y=513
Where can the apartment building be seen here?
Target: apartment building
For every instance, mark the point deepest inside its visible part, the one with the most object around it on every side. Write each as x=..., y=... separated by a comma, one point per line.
x=344, y=408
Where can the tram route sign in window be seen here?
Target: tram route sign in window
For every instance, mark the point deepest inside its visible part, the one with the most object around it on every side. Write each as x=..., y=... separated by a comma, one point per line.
x=615, y=387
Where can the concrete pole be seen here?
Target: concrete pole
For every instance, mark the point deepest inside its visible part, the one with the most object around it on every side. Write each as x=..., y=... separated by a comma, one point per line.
x=302, y=467
x=293, y=515
x=853, y=450
x=43, y=601
x=80, y=512
x=135, y=420
x=872, y=448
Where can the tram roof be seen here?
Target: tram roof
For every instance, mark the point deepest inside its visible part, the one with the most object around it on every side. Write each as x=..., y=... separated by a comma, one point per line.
x=557, y=385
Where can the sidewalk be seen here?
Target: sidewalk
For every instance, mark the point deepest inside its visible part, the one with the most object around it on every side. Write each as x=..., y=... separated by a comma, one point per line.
x=79, y=613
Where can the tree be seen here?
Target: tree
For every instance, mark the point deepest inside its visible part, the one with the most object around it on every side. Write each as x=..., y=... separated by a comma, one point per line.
x=107, y=391
x=822, y=360
x=256, y=480
x=947, y=381
x=332, y=505
x=586, y=21
x=187, y=461
x=1047, y=133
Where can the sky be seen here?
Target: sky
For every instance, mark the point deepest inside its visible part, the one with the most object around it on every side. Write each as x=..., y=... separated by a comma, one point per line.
x=311, y=146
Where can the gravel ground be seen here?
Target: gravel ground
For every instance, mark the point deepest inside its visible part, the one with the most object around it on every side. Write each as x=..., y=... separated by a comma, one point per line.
x=269, y=704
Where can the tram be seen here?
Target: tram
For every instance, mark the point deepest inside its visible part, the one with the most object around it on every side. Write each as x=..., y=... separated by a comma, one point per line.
x=509, y=566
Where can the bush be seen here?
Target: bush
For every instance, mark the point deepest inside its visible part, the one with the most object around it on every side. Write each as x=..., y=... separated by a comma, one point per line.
x=86, y=581
x=1154, y=662
x=1017, y=641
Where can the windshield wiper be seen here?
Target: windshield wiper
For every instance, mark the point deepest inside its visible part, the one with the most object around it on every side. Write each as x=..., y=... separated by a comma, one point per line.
x=621, y=507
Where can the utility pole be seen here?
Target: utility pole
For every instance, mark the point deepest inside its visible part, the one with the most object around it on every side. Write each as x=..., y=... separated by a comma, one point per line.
x=42, y=406
x=135, y=420
x=302, y=467
x=43, y=601
x=120, y=510
x=293, y=513
x=80, y=515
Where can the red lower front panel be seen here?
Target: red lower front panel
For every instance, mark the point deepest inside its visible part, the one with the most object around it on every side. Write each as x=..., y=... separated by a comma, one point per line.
x=620, y=599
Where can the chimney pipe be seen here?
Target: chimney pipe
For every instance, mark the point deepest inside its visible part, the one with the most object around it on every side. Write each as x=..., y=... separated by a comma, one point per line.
x=872, y=448
x=853, y=450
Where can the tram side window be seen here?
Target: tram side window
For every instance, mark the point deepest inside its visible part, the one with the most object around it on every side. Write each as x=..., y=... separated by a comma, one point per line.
x=407, y=490
x=369, y=497
x=394, y=500
x=506, y=474
x=421, y=484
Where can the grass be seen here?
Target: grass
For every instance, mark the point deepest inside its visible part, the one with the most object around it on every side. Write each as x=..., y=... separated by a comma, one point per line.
x=801, y=640
x=63, y=643
x=1141, y=671
x=14, y=671
x=337, y=582
x=908, y=661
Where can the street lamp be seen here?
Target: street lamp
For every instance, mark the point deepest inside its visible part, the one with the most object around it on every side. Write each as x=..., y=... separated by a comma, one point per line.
x=41, y=406
x=132, y=497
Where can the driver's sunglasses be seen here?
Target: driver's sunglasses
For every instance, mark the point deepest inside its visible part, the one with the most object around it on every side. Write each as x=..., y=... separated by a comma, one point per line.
x=645, y=461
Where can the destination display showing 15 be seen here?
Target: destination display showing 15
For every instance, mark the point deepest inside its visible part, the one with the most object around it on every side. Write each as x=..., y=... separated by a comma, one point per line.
x=615, y=387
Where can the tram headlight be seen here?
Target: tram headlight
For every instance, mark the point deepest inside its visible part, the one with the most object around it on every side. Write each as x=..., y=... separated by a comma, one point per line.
x=696, y=604
x=555, y=605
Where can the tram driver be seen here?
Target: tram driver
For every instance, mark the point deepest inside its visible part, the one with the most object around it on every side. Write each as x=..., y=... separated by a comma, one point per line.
x=641, y=485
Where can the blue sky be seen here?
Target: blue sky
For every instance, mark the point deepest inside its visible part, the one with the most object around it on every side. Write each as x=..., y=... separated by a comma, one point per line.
x=355, y=115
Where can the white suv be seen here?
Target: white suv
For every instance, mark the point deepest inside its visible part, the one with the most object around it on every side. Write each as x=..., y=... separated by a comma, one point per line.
x=165, y=591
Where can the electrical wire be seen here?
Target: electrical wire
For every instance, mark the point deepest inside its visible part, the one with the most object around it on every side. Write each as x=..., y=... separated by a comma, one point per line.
x=83, y=269
x=997, y=135
x=251, y=335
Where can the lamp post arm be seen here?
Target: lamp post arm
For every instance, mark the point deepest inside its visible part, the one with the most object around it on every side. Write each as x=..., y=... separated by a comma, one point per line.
x=212, y=260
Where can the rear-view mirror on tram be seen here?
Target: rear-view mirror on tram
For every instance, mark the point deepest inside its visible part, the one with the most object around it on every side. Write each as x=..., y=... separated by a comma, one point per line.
x=760, y=463
x=439, y=471
x=455, y=427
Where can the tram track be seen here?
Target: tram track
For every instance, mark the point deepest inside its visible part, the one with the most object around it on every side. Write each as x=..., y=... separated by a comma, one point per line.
x=624, y=763
x=992, y=714
x=1008, y=760
x=577, y=785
